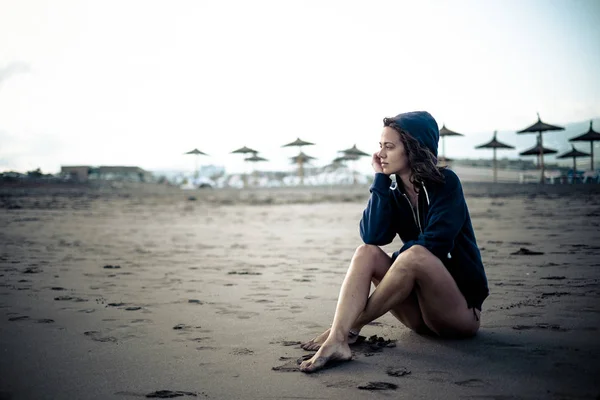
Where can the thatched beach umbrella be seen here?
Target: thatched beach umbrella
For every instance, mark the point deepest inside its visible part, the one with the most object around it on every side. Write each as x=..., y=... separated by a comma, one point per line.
x=254, y=159
x=443, y=133
x=298, y=143
x=299, y=160
x=537, y=150
x=244, y=150
x=540, y=127
x=574, y=153
x=354, y=151
x=344, y=158
x=494, y=144
x=590, y=136
x=196, y=153
x=353, y=154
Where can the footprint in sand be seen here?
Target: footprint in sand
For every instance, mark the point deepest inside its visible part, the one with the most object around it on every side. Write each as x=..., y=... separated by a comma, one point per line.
x=115, y=304
x=70, y=298
x=554, y=278
x=523, y=251
x=290, y=343
x=471, y=383
x=96, y=336
x=199, y=339
x=242, y=352
x=32, y=270
x=169, y=394
x=397, y=371
x=378, y=386
x=246, y=314
x=292, y=364
x=341, y=384
x=552, y=327
x=554, y=294
x=19, y=318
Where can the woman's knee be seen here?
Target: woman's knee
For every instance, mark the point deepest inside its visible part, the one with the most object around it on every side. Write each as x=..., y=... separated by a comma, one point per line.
x=416, y=257
x=373, y=258
x=368, y=251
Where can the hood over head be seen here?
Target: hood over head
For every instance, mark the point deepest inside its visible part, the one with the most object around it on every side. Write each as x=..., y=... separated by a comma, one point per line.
x=422, y=126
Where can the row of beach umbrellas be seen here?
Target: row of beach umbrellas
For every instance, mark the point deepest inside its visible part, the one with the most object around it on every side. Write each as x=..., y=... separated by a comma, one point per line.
x=353, y=153
x=538, y=150
x=350, y=154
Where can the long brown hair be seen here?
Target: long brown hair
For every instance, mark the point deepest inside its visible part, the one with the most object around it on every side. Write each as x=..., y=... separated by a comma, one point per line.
x=421, y=160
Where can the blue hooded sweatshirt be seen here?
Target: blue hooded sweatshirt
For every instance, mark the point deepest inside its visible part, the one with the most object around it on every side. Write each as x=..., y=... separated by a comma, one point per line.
x=441, y=223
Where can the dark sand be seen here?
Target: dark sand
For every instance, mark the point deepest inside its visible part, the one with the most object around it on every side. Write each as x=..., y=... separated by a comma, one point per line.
x=133, y=292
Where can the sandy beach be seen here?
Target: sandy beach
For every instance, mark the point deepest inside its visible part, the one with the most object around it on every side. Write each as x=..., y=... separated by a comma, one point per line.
x=134, y=292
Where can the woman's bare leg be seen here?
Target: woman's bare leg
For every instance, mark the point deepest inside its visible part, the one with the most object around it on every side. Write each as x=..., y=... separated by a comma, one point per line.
x=373, y=258
x=443, y=307
x=351, y=302
x=446, y=311
x=409, y=313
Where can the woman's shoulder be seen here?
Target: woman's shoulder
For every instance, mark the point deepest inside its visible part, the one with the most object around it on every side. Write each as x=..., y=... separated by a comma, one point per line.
x=451, y=181
x=450, y=176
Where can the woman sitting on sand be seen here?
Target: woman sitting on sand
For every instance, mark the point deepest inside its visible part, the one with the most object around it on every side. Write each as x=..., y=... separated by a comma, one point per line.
x=436, y=282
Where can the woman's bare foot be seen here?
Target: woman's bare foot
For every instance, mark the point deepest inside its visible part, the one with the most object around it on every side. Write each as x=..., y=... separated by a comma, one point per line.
x=329, y=351
x=317, y=342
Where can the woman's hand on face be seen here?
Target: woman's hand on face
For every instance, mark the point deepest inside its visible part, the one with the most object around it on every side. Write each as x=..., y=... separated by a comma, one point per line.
x=376, y=163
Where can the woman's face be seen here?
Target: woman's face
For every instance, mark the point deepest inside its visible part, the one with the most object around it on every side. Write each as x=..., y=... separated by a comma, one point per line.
x=392, y=153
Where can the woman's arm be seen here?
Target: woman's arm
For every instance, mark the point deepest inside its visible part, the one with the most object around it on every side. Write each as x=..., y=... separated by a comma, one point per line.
x=446, y=217
x=376, y=224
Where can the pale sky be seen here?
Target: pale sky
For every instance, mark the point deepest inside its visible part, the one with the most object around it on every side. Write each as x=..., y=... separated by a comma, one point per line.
x=142, y=82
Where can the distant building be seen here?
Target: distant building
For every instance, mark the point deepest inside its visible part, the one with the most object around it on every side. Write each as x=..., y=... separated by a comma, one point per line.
x=116, y=173
x=76, y=173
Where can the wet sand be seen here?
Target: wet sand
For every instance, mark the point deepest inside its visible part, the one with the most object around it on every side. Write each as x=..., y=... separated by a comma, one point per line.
x=127, y=292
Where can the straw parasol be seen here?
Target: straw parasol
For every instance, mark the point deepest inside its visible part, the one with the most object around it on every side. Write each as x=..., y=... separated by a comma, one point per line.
x=354, y=151
x=537, y=150
x=494, y=144
x=298, y=143
x=574, y=153
x=344, y=158
x=590, y=136
x=196, y=153
x=540, y=127
x=353, y=154
x=299, y=160
x=254, y=159
x=443, y=133
x=244, y=150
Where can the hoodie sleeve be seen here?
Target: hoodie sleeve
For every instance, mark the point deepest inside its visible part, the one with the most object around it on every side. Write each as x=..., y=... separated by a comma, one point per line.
x=447, y=214
x=376, y=223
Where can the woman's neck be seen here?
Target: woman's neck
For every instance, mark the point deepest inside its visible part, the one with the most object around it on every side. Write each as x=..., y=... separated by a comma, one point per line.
x=409, y=188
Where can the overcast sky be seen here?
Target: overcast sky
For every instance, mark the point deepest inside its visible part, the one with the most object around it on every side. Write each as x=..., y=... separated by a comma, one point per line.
x=141, y=82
